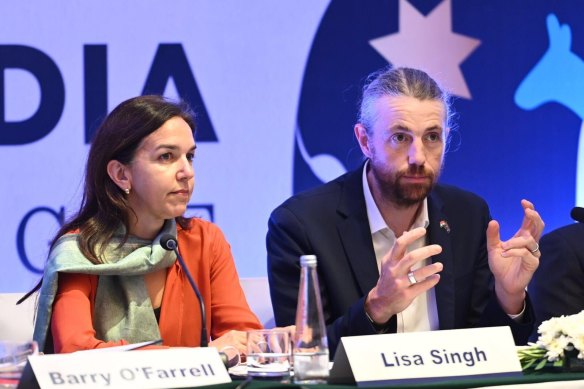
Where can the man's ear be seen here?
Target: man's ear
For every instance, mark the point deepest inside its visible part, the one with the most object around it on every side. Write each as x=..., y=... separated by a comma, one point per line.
x=363, y=139
x=119, y=174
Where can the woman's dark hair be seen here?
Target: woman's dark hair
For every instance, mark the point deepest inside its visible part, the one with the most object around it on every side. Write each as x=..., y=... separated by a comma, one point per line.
x=104, y=206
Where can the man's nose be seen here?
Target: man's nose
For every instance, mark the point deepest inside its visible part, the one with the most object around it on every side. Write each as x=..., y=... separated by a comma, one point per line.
x=417, y=153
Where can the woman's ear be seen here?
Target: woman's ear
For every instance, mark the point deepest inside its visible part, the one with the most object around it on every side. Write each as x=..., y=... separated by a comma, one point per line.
x=120, y=175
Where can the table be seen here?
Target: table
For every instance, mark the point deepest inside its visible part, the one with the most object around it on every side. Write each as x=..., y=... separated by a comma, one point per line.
x=574, y=380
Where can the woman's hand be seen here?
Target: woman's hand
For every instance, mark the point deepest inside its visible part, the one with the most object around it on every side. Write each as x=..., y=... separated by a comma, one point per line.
x=291, y=330
x=232, y=343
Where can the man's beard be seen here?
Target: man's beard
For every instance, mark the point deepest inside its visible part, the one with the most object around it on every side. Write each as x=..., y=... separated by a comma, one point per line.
x=402, y=194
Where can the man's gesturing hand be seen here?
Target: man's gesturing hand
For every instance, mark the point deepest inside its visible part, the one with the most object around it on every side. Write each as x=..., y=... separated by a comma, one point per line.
x=394, y=291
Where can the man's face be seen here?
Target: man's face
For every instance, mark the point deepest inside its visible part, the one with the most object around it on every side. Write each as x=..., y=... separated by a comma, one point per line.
x=405, y=147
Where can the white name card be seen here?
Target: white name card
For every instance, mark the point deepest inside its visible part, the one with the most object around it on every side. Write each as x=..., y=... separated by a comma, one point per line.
x=431, y=356
x=166, y=368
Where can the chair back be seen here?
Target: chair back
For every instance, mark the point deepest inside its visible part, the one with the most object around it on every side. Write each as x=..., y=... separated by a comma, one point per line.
x=16, y=321
x=257, y=293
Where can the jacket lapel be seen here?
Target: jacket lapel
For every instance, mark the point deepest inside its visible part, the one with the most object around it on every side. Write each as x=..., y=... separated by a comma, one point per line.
x=439, y=233
x=355, y=233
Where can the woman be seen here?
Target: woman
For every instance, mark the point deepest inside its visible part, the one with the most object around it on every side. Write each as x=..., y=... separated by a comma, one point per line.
x=108, y=282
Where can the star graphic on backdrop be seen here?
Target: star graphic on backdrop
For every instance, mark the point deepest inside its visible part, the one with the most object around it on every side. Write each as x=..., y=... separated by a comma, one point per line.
x=428, y=43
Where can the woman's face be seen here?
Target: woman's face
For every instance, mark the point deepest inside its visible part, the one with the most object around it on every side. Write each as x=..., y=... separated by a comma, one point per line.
x=161, y=176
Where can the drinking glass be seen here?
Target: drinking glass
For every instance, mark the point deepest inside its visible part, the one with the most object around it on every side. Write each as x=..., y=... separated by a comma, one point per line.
x=268, y=354
x=13, y=358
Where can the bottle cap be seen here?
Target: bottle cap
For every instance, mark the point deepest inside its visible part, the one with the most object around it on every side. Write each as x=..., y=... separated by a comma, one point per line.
x=308, y=260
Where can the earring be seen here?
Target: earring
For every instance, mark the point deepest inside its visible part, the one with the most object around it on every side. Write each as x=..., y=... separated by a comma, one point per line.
x=127, y=190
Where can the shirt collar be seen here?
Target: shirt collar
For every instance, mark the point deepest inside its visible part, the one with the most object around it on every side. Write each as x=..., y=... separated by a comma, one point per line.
x=376, y=222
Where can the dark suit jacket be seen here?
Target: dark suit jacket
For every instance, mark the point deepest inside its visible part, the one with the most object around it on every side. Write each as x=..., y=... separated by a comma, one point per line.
x=557, y=287
x=331, y=222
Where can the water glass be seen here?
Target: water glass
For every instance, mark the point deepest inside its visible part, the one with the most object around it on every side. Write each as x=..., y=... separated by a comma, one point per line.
x=13, y=358
x=268, y=353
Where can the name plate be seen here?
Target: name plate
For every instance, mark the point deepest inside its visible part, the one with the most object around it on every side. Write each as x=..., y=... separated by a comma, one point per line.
x=163, y=368
x=431, y=356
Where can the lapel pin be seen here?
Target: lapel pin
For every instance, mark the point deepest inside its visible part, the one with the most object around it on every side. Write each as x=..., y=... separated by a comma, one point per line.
x=444, y=225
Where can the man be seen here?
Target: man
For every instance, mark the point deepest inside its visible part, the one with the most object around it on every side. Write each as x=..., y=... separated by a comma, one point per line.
x=396, y=251
x=557, y=288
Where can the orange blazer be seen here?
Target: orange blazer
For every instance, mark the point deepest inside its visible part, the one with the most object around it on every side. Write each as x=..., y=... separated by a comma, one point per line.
x=208, y=257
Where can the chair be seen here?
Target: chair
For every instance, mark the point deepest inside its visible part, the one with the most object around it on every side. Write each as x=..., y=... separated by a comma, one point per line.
x=16, y=321
x=257, y=292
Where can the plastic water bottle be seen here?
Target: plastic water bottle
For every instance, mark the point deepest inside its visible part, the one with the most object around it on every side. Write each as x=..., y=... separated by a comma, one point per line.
x=310, y=351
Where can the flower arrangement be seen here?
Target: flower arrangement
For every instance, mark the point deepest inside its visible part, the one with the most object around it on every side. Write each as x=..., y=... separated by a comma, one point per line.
x=560, y=338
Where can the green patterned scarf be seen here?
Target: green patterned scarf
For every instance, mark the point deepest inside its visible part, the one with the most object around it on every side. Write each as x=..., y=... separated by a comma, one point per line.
x=122, y=305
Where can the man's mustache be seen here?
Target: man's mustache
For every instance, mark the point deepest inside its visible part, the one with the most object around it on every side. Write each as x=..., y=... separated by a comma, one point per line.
x=416, y=171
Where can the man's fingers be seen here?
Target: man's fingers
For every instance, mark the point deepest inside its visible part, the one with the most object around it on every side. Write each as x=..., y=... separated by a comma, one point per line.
x=425, y=272
x=493, y=235
x=520, y=242
x=522, y=252
x=402, y=243
x=527, y=204
x=536, y=222
x=425, y=284
x=417, y=255
x=532, y=221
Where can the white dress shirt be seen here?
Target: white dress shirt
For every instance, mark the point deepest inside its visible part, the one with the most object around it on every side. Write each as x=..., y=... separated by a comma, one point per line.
x=421, y=314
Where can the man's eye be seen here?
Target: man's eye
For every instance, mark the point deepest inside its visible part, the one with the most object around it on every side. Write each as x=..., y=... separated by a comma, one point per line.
x=433, y=137
x=399, y=138
x=190, y=156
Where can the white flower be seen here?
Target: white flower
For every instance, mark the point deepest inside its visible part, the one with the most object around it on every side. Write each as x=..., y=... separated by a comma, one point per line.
x=561, y=334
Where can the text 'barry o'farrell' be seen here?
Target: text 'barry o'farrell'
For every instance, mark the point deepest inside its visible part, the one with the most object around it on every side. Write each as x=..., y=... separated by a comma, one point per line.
x=131, y=374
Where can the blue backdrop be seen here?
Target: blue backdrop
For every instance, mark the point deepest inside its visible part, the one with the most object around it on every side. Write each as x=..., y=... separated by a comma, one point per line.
x=507, y=145
x=276, y=85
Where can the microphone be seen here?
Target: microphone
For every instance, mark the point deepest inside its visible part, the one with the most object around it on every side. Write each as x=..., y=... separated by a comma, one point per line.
x=168, y=242
x=577, y=214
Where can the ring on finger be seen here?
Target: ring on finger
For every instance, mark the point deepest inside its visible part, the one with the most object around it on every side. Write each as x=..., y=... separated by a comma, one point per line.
x=412, y=278
x=536, y=249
